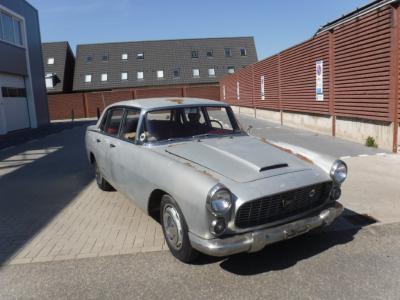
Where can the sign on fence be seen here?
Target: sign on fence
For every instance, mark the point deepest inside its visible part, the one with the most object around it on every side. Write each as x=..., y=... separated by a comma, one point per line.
x=262, y=91
x=319, y=72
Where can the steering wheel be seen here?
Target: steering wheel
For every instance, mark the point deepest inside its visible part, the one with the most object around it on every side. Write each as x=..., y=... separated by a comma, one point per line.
x=218, y=122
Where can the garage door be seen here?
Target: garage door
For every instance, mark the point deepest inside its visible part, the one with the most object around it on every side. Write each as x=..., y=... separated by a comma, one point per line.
x=14, y=102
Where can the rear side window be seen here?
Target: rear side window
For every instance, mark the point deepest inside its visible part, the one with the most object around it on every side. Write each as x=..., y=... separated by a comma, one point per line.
x=114, y=118
x=130, y=124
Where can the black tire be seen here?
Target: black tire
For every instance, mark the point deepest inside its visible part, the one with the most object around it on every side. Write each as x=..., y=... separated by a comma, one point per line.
x=182, y=250
x=101, y=182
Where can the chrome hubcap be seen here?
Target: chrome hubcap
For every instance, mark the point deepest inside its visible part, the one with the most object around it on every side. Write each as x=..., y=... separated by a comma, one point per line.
x=172, y=227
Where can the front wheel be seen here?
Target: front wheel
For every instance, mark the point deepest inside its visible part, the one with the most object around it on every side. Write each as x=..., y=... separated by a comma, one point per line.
x=176, y=231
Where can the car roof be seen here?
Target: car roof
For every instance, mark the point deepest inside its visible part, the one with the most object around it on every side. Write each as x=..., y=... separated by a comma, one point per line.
x=168, y=102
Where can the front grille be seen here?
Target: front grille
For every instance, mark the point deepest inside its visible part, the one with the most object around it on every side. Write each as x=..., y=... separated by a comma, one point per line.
x=287, y=204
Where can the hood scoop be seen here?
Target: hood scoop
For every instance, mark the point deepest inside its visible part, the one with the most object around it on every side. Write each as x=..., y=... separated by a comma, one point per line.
x=277, y=166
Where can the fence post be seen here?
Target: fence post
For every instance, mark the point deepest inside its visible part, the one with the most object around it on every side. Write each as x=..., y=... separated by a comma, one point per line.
x=394, y=75
x=280, y=88
x=332, y=67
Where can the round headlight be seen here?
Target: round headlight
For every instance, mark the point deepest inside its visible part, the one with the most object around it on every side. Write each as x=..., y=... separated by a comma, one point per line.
x=219, y=200
x=339, y=171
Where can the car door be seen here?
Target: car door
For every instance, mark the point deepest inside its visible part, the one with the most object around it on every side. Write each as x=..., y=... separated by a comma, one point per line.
x=124, y=153
x=109, y=140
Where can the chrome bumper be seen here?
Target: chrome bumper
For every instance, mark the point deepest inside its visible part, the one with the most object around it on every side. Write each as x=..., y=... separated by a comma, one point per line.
x=257, y=240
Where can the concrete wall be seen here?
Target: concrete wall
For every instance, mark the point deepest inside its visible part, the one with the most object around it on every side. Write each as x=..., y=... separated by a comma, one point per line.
x=319, y=124
x=356, y=130
x=359, y=131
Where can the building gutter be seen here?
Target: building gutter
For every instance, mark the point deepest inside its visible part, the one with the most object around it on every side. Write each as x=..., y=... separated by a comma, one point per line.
x=355, y=14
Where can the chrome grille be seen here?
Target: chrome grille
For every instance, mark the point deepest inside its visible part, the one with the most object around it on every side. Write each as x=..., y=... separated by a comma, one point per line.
x=284, y=205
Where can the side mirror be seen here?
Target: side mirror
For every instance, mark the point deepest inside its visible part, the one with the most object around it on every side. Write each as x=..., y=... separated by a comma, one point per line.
x=249, y=129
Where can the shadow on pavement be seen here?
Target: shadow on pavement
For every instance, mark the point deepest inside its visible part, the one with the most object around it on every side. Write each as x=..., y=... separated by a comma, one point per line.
x=288, y=253
x=32, y=195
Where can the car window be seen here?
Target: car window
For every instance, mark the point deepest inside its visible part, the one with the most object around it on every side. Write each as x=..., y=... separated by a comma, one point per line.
x=130, y=124
x=186, y=122
x=219, y=118
x=114, y=118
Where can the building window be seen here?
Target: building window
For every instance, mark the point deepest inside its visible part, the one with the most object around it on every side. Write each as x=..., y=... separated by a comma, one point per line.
x=124, y=76
x=124, y=56
x=104, y=77
x=160, y=74
x=104, y=57
x=13, y=92
x=88, y=78
x=228, y=52
x=196, y=72
x=140, y=55
x=243, y=52
x=49, y=81
x=10, y=29
x=195, y=54
x=211, y=72
x=231, y=70
x=140, y=75
x=209, y=53
x=176, y=73
x=89, y=58
x=50, y=61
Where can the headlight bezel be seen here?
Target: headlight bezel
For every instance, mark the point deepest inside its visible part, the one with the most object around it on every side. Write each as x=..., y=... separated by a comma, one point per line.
x=211, y=197
x=336, y=165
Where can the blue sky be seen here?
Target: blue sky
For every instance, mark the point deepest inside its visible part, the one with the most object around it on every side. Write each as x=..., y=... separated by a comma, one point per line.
x=275, y=25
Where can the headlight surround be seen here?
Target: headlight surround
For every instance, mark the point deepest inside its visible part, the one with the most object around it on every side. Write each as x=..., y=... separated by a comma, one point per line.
x=339, y=171
x=219, y=200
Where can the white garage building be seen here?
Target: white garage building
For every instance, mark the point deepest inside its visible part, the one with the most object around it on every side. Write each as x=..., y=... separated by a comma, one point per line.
x=23, y=100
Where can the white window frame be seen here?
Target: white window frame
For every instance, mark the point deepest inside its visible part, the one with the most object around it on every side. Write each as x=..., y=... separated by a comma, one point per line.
x=160, y=74
x=50, y=61
x=104, y=77
x=245, y=52
x=196, y=73
x=140, y=75
x=124, y=56
x=211, y=72
x=88, y=78
x=124, y=76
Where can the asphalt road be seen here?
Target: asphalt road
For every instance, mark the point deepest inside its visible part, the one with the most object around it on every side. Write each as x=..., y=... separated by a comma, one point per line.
x=319, y=143
x=334, y=265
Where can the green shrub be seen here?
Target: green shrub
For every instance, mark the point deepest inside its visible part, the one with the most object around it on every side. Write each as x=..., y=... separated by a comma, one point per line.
x=370, y=142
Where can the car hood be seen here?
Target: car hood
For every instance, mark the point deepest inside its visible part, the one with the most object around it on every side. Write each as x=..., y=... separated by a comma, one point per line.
x=239, y=158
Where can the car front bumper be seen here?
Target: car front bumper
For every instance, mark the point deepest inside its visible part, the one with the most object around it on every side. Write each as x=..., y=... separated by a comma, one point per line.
x=256, y=240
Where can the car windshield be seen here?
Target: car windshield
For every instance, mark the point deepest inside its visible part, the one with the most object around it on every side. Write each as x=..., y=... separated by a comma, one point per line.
x=188, y=122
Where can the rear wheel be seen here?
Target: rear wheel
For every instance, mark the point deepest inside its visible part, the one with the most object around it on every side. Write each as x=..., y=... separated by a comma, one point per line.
x=176, y=231
x=101, y=182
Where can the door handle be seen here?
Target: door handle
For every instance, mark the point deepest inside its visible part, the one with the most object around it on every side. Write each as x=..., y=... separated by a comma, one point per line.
x=112, y=146
x=97, y=140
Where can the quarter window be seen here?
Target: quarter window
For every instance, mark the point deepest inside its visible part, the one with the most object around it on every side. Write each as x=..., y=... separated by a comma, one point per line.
x=114, y=118
x=130, y=124
x=50, y=61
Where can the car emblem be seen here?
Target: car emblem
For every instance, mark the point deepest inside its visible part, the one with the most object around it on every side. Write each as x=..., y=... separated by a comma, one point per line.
x=286, y=202
x=311, y=194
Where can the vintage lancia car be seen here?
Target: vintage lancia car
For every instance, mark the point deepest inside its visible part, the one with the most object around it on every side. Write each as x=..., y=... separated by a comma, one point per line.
x=214, y=188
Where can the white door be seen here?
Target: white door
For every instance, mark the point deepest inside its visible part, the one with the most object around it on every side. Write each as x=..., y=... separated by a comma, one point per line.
x=13, y=102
